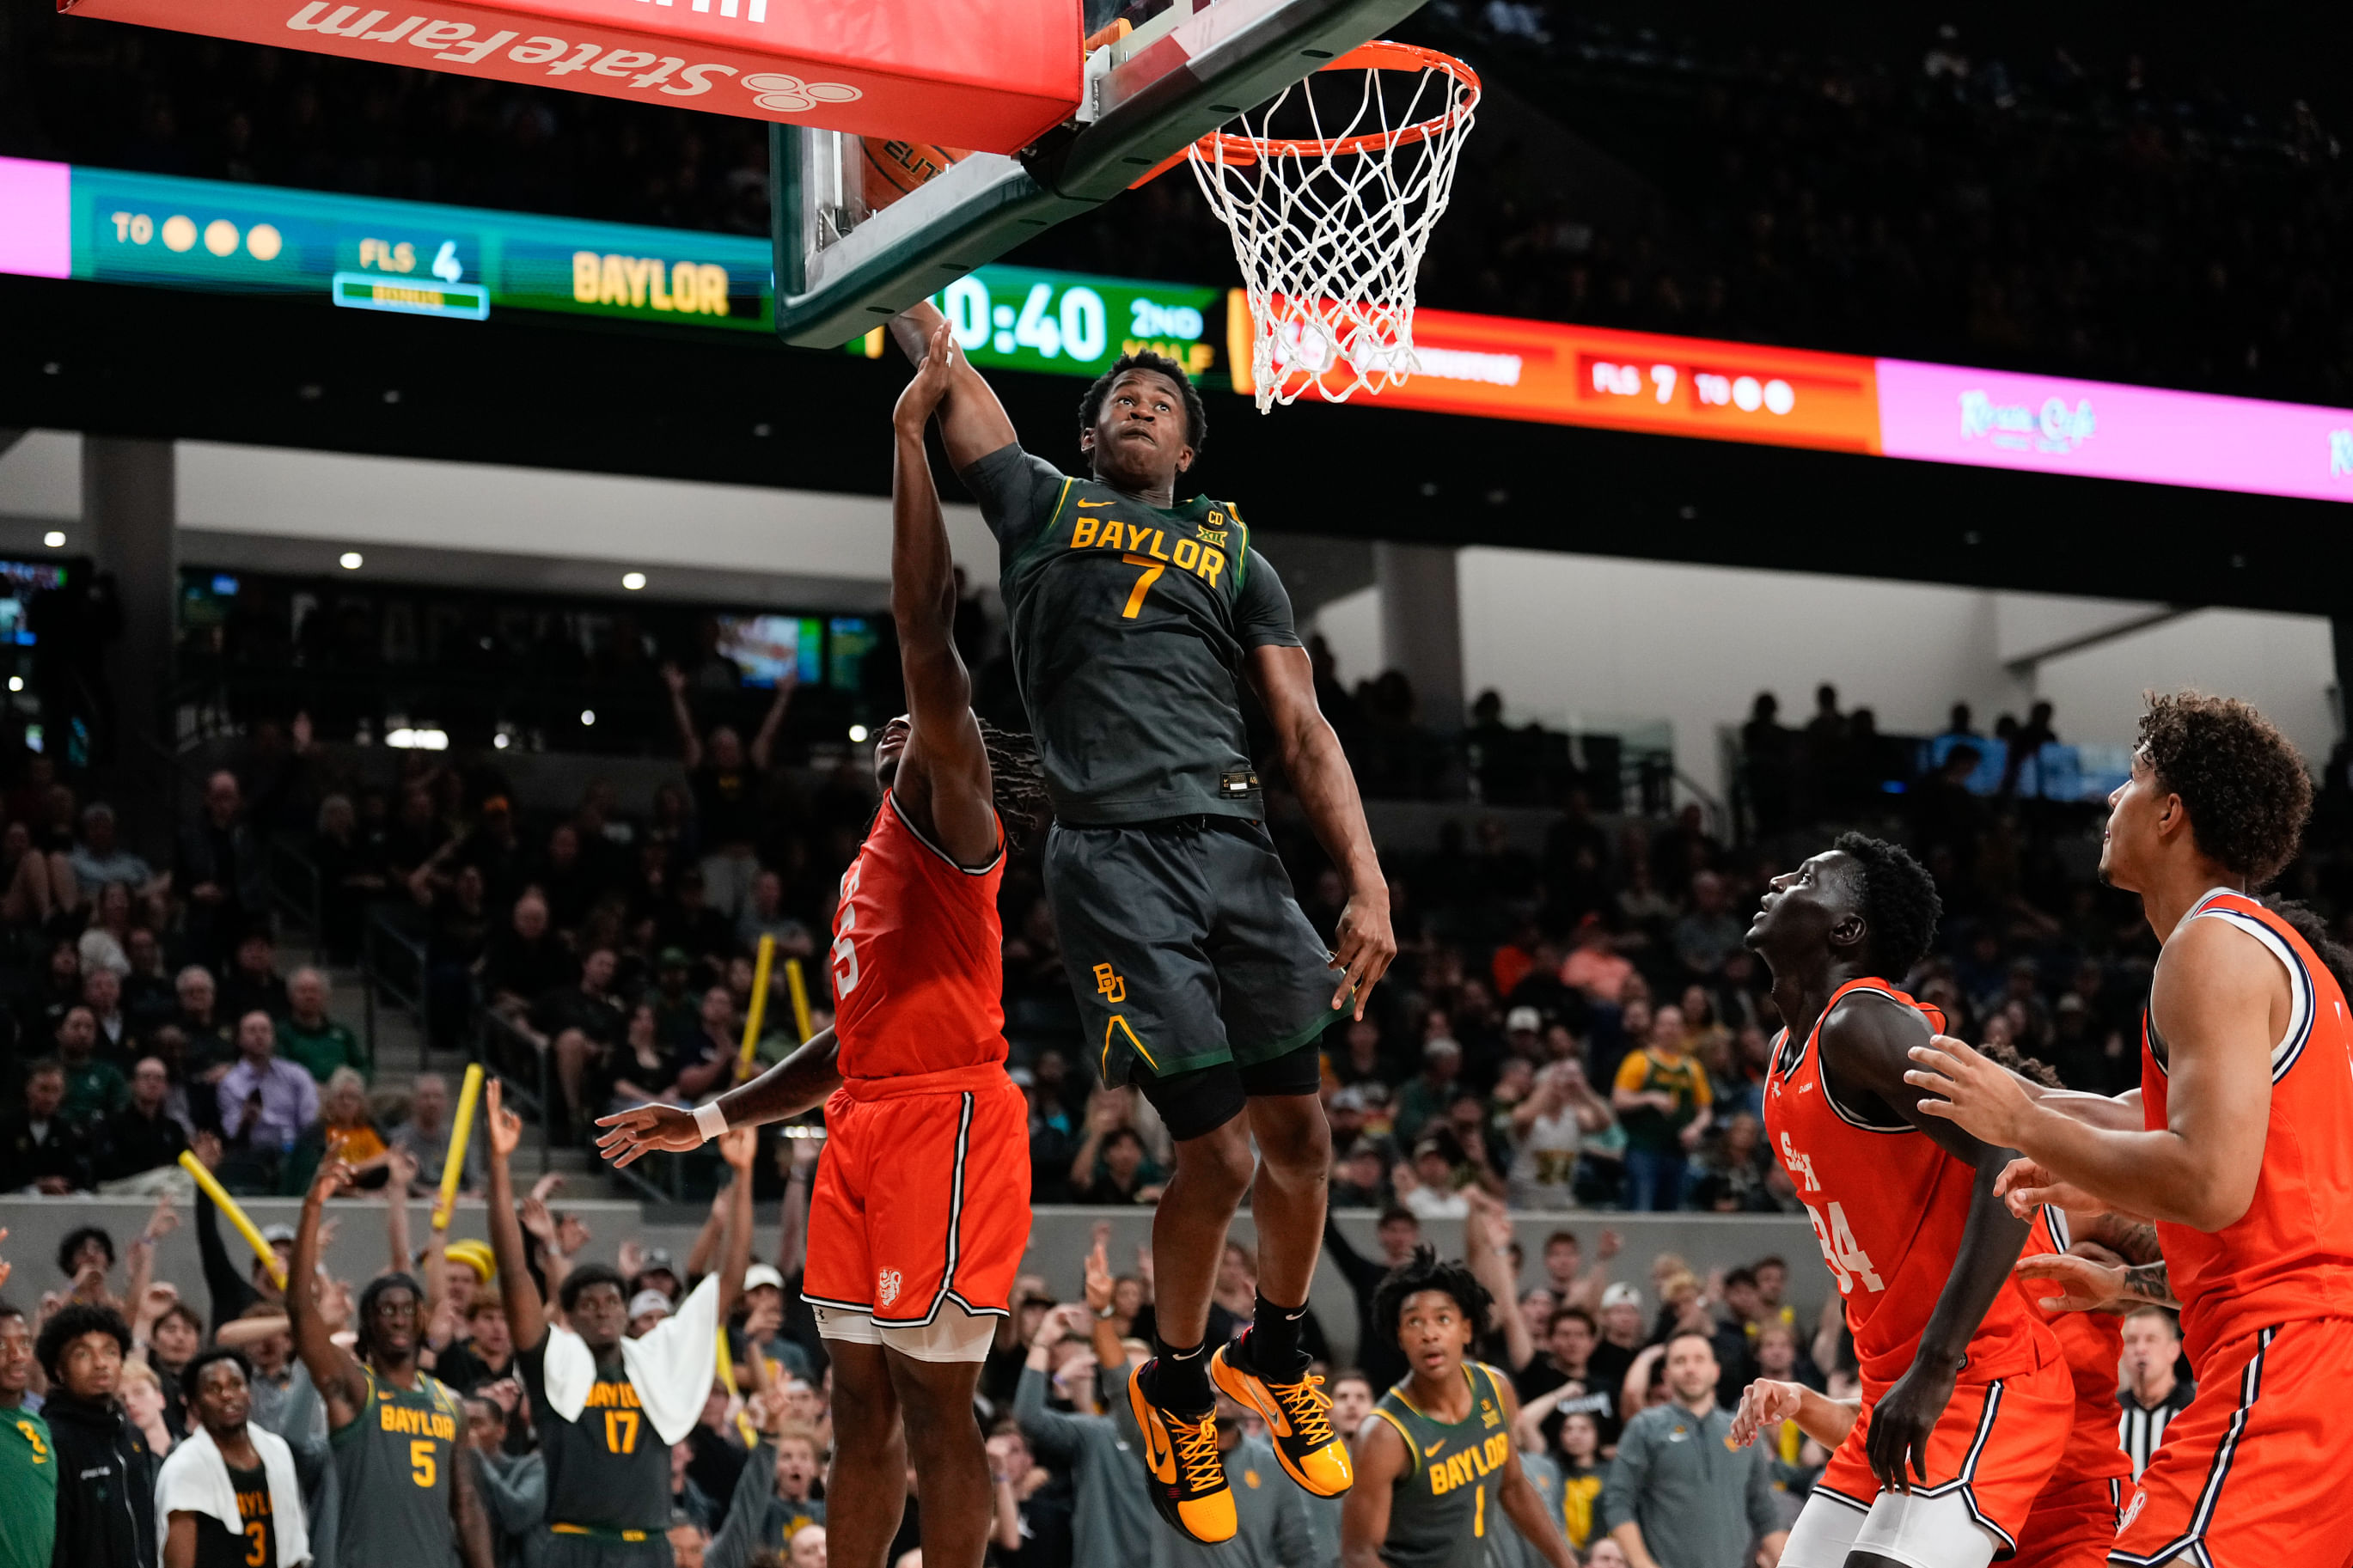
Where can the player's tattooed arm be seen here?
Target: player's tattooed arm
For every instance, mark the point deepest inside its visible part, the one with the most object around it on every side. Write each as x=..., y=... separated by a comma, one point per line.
x=2088, y=1277
x=973, y=423
x=338, y=1376
x=467, y=1511
x=1866, y=1043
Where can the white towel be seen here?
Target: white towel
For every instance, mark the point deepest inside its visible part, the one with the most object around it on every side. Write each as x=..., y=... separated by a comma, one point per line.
x=195, y=1479
x=671, y=1368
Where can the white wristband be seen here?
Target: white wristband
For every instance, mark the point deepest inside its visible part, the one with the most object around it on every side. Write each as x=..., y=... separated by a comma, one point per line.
x=709, y=1121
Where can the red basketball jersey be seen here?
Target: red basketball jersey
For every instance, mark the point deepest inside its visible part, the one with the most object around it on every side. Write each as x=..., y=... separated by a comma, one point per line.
x=918, y=960
x=2290, y=1255
x=2094, y=1343
x=1888, y=1207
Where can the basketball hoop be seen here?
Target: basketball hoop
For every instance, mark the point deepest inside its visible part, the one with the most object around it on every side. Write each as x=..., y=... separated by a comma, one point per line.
x=1330, y=226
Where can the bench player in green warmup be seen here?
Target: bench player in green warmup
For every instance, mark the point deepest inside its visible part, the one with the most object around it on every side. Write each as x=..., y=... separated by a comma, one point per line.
x=397, y=1433
x=1134, y=618
x=1435, y=1461
x=609, y=1409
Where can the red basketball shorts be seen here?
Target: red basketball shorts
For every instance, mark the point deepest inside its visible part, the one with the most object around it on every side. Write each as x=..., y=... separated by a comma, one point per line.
x=2074, y=1521
x=2253, y=1474
x=922, y=1197
x=1996, y=1447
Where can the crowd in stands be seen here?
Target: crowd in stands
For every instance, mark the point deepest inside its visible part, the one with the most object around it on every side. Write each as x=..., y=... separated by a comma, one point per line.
x=2072, y=213
x=1574, y=1022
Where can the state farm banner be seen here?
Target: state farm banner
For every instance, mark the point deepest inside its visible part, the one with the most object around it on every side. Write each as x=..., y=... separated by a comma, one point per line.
x=991, y=74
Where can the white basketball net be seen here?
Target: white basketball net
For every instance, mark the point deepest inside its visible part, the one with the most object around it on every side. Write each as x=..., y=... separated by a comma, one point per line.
x=1329, y=224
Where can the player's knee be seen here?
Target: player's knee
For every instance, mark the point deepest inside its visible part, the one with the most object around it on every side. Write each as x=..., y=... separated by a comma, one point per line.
x=1221, y=1162
x=1296, y=1147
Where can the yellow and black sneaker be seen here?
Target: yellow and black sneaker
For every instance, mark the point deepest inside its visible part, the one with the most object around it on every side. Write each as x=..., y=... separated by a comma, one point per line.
x=1188, y=1477
x=1298, y=1418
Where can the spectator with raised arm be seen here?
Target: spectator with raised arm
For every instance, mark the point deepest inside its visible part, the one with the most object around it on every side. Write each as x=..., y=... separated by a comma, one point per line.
x=727, y=780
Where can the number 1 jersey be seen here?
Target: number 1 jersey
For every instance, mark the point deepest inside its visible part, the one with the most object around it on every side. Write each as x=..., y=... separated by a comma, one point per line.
x=1889, y=1207
x=1129, y=623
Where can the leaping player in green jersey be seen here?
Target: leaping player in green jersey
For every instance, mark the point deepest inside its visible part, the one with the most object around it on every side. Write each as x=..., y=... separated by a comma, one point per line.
x=1436, y=1456
x=1134, y=618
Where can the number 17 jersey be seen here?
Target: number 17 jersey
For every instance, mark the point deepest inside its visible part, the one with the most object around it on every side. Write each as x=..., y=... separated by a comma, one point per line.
x=1889, y=1207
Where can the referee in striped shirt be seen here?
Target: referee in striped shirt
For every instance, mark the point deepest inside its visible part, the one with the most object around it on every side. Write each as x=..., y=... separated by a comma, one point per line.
x=2152, y=1394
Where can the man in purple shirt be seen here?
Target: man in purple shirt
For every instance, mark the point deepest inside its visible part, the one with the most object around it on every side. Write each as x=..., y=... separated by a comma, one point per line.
x=265, y=1104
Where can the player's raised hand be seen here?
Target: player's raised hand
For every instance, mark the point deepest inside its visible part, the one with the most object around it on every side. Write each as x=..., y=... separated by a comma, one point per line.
x=931, y=384
x=1764, y=1405
x=2082, y=1282
x=739, y=1146
x=334, y=1177
x=1098, y=1280
x=639, y=1132
x=504, y=1126
x=1364, y=947
x=1986, y=1100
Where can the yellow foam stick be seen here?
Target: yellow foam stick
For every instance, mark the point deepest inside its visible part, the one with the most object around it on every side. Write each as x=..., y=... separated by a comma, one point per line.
x=453, y=1169
x=799, y=988
x=758, y=1011
x=727, y=1379
x=237, y=1216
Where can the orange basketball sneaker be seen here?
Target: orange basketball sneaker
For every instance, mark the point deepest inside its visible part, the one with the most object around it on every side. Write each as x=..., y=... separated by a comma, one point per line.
x=1188, y=1475
x=1298, y=1418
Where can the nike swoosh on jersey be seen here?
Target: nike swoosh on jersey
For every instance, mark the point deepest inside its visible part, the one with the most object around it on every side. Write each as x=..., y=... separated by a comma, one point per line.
x=1098, y=504
x=1434, y=1448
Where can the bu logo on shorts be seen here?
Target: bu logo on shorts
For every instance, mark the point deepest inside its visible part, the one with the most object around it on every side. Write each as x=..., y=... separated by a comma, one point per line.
x=887, y=1285
x=1109, y=986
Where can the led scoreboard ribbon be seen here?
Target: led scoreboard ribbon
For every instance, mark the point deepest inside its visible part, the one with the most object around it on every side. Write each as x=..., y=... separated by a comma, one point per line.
x=463, y=263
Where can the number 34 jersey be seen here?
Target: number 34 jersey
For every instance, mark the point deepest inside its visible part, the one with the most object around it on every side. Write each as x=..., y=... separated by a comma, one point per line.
x=1129, y=625
x=1888, y=1207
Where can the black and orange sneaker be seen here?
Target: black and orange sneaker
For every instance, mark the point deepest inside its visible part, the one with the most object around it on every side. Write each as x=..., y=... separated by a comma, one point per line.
x=1298, y=1418
x=1188, y=1477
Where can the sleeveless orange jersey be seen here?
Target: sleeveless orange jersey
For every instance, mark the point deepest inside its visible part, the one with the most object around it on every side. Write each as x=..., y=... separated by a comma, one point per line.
x=2092, y=1343
x=918, y=961
x=2290, y=1255
x=1888, y=1207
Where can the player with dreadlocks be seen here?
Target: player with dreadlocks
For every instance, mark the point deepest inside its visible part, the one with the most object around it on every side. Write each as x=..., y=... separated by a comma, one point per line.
x=922, y=1205
x=1967, y=1403
x=1435, y=1458
x=396, y=1431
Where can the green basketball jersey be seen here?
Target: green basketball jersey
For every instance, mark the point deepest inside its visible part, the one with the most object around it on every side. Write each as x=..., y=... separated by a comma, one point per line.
x=29, y=1491
x=392, y=1465
x=1444, y=1510
x=1129, y=625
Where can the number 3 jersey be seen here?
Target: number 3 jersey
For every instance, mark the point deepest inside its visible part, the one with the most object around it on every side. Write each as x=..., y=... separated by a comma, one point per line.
x=1888, y=1207
x=1129, y=623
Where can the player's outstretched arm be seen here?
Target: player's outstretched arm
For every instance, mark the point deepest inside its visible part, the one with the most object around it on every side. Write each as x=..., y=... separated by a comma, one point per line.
x=526, y=1314
x=339, y=1379
x=2212, y=1000
x=942, y=783
x=1521, y=1501
x=738, y=1146
x=801, y=1082
x=1766, y=1404
x=1866, y=1045
x=1327, y=786
x=973, y=423
x=1381, y=1456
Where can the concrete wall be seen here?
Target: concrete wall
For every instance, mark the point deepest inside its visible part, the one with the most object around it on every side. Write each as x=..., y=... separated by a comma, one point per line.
x=1058, y=1243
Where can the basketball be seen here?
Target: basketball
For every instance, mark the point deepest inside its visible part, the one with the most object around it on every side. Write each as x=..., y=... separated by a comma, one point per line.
x=894, y=168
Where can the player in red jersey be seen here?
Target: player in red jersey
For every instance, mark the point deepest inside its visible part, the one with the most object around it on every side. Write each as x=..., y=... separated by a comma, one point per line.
x=922, y=1205
x=2238, y=1145
x=1966, y=1398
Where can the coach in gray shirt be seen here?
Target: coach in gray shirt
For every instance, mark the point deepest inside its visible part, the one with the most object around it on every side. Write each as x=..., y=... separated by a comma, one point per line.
x=1679, y=1495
